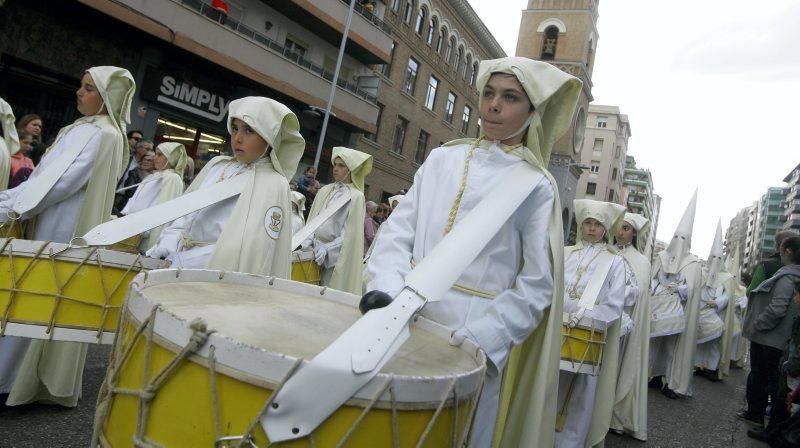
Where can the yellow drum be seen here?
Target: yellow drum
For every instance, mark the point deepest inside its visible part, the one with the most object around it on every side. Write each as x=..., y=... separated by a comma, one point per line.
x=201, y=352
x=304, y=268
x=50, y=292
x=12, y=229
x=130, y=245
x=582, y=346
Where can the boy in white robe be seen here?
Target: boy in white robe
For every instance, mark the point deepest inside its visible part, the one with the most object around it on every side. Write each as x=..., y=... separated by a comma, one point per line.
x=675, y=296
x=630, y=404
x=163, y=185
x=582, y=404
x=507, y=300
x=250, y=232
x=338, y=243
x=298, y=206
x=69, y=192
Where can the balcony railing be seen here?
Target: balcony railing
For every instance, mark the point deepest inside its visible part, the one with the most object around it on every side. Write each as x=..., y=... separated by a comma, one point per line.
x=205, y=10
x=372, y=18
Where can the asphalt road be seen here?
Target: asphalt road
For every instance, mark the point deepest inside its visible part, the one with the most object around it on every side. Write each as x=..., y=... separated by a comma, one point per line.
x=705, y=420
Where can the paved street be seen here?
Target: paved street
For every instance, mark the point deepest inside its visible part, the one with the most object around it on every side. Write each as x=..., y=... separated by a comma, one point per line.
x=703, y=421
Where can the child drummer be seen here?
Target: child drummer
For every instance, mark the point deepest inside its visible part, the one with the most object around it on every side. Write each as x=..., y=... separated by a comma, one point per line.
x=505, y=298
x=250, y=232
x=593, y=260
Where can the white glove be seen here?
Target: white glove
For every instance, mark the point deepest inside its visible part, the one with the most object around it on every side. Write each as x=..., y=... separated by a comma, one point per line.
x=457, y=337
x=741, y=302
x=627, y=324
x=320, y=252
x=575, y=318
x=307, y=244
x=158, y=252
x=713, y=304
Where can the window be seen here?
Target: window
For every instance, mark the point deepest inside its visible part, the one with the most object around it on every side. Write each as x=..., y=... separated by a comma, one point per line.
x=386, y=69
x=465, y=119
x=467, y=65
x=449, y=52
x=450, y=107
x=431, y=30
x=422, y=144
x=614, y=174
x=591, y=187
x=598, y=144
x=610, y=195
x=420, y=25
x=595, y=167
x=474, y=75
x=549, y=43
x=399, y=135
x=442, y=37
x=602, y=122
x=430, y=95
x=617, y=152
x=395, y=6
x=411, y=76
x=374, y=137
x=409, y=12
x=459, y=55
x=294, y=48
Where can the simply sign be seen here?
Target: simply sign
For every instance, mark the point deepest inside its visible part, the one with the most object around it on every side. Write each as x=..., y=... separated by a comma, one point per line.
x=167, y=89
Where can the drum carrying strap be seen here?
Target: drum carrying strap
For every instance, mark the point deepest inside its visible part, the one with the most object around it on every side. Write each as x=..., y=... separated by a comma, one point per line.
x=38, y=187
x=592, y=290
x=123, y=228
x=352, y=360
x=313, y=224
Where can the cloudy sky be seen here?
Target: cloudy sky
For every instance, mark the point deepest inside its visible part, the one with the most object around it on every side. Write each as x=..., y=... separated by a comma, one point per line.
x=712, y=89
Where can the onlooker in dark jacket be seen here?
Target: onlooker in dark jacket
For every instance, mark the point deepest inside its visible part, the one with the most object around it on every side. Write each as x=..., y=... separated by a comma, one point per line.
x=768, y=326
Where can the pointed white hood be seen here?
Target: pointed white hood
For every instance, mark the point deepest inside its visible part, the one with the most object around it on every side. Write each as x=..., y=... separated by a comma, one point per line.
x=715, y=261
x=681, y=241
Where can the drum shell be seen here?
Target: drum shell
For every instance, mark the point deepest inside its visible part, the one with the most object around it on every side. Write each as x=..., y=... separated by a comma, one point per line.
x=582, y=348
x=74, y=295
x=13, y=229
x=185, y=400
x=129, y=245
x=305, y=268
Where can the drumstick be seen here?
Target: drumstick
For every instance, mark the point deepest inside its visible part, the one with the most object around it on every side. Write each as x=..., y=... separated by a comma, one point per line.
x=351, y=361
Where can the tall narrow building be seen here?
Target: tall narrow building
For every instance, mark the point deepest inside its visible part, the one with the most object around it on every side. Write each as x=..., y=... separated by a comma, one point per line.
x=564, y=33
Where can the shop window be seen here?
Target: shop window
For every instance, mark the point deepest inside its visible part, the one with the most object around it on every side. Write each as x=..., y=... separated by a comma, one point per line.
x=200, y=144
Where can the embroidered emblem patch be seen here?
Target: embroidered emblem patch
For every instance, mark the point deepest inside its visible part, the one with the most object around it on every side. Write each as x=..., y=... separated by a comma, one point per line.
x=273, y=222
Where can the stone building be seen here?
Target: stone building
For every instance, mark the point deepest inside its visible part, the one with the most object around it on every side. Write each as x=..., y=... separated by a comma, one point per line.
x=605, y=147
x=766, y=221
x=426, y=92
x=638, y=186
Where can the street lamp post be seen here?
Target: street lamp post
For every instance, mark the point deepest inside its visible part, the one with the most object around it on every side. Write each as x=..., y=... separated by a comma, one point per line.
x=334, y=84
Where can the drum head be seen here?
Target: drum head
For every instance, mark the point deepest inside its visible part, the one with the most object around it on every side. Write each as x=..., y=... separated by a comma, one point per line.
x=296, y=325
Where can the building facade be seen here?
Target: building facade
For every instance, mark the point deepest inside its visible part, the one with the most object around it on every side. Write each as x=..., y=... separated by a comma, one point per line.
x=736, y=235
x=189, y=62
x=427, y=93
x=766, y=222
x=640, y=198
x=564, y=33
x=605, y=147
x=791, y=213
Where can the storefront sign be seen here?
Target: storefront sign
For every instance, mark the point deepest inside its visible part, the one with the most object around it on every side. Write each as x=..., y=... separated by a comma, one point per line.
x=166, y=89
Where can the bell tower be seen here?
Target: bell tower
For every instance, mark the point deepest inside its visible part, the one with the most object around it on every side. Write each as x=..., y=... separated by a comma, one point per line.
x=564, y=33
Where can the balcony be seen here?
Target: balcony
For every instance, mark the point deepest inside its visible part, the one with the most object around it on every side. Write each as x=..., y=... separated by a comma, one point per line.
x=369, y=39
x=246, y=52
